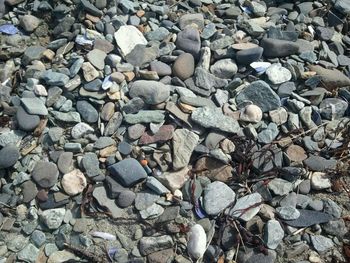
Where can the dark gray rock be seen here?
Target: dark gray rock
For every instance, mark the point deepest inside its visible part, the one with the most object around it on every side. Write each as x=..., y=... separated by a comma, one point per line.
x=87, y=111
x=189, y=41
x=128, y=172
x=152, y=92
x=319, y=164
x=26, y=122
x=278, y=48
x=45, y=174
x=260, y=93
x=9, y=155
x=308, y=218
x=248, y=56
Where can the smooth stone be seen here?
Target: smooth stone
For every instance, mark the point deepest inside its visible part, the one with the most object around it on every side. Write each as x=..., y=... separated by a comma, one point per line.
x=87, y=111
x=74, y=182
x=305, y=187
x=308, y=218
x=126, y=198
x=267, y=135
x=152, y=211
x=190, y=19
x=331, y=78
x=278, y=48
x=247, y=207
x=29, y=191
x=183, y=66
x=9, y=155
x=128, y=172
x=97, y=58
x=215, y=119
x=91, y=163
x=330, y=207
x=100, y=195
x=248, y=56
x=55, y=133
x=260, y=93
x=127, y=37
x=273, y=234
x=335, y=228
x=217, y=196
x=38, y=238
x=107, y=111
x=152, y=92
x=34, y=106
x=29, y=23
x=161, y=68
x=197, y=241
x=65, y=162
x=45, y=174
x=165, y=133
x=184, y=142
x=319, y=164
x=153, y=184
x=26, y=122
x=53, y=218
x=189, y=41
x=174, y=180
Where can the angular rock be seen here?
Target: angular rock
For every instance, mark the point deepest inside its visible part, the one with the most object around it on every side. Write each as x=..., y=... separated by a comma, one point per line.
x=247, y=207
x=53, y=218
x=184, y=142
x=273, y=234
x=128, y=172
x=127, y=37
x=74, y=183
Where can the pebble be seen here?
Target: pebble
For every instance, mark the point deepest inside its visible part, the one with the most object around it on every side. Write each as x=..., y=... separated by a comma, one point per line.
x=45, y=174
x=321, y=244
x=87, y=111
x=247, y=207
x=278, y=74
x=260, y=93
x=74, y=182
x=151, y=92
x=184, y=142
x=183, y=67
x=26, y=122
x=127, y=38
x=320, y=181
x=217, y=196
x=29, y=23
x=197, y=241
x=128, y=172
x=287, y=212
x=53, y=218
x=225, y=68
x=9, y=155
x=273, y=234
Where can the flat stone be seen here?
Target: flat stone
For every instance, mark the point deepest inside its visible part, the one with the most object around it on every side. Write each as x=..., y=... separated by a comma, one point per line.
x=53, y=218
x=248, y=56
x=278, y=48
x=184, y=142
x=152, y=211
x=321, y=244
x=9, y=155
x=217, y=196
x=29, y=23
x=26, y=122
x=100, y=195
x=296, y=153
x=128, y=171
x=152, y=92
x=247, y=207
x=74, y=182
x=174, y=180
x=331, y=78
x=149, y=245
x=65, y=162
x=319, y=164
x=61, y=256
x=165, y=133
x=273, y=234
x=280, y=187
x=308, y=218
x=87, y=111
x=91, y=164
x=34, y=106
x=335, y=228
x=141, y=55
x=89, y=72
x=45, y=174
x=330, y=207
x=215, y=119
x=153, y=184
x=207, y=81
x=127, y=37
x=70, y=117
x=145, y=116
x=260, y=93
x=38, y=238
x=97, y=58
x=28, y=254
x=29, y=191
x=54, y=78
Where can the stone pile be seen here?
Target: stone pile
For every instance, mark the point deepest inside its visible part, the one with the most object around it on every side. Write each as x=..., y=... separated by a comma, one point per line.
x=174, y=131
